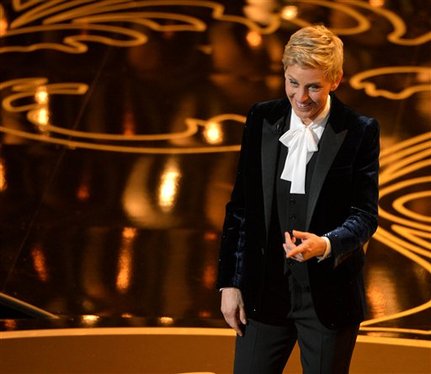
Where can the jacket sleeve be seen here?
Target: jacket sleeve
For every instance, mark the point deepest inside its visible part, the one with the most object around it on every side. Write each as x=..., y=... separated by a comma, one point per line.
x=361, y=223
x=232, y=248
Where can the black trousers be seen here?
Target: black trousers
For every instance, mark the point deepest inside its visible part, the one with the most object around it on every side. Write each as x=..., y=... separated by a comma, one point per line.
x=265, y=348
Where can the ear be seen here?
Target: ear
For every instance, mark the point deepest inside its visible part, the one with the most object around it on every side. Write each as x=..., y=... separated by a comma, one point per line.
x=335, y=85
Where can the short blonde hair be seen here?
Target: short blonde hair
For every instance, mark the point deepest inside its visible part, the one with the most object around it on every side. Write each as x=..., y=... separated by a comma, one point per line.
x=315, y=47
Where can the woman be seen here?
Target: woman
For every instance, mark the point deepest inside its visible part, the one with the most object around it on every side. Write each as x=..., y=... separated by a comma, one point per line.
x=303, y=205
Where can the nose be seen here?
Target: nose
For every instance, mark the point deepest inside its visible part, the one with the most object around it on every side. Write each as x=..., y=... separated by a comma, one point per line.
x=302, y=95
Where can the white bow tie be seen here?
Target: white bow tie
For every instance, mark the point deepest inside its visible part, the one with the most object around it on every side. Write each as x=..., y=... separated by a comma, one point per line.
x=301, y=142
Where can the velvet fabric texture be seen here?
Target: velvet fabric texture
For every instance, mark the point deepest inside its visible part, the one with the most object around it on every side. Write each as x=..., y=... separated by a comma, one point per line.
x=342, y=204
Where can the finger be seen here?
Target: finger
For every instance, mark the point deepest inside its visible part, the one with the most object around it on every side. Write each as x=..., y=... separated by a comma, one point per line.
x=300, y=234
x=288, y=248
x=299, y=257
x=236, y=326
x=242, y=316
x=235, y=318
x=289, y=239
x=299, y=250
x=292, y=253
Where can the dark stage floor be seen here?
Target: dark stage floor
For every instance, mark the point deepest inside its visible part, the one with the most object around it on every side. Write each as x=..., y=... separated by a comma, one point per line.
x=120, y=128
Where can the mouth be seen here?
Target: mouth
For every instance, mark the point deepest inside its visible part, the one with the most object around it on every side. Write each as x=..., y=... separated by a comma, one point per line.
x=303, y=106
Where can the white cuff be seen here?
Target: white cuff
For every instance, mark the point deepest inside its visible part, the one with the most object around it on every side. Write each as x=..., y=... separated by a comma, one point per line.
x=327, y=250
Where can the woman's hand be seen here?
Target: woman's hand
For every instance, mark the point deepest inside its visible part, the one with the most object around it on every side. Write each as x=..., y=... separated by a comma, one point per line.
x=232, y=307
x=303, y=245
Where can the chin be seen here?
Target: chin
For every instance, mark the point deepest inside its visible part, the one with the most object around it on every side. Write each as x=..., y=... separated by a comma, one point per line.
x=304, y=115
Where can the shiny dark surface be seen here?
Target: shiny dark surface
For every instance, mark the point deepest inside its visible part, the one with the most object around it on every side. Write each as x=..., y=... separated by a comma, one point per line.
x=119, y=141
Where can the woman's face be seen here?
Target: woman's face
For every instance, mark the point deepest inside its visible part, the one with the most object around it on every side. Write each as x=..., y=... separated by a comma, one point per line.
x=307, y=90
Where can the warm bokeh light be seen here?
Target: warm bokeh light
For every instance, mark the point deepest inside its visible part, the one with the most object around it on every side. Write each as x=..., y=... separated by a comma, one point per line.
x=127, y=315
x=289, y=12
x=168, y=189
x=377, y=3
x=204, y=314
x=41, y=115
x=10, y=324
x=41, y=96
x=83, y=192
x=211, y=235
x=42, y=118
x=125, y=259
x=4, y=25
x=129, y=233
x=209, y=276
x=89, y=319
x=3, y=182
x=166, y=321
x=254, y=39
x=213, y=133
x=260, y=11
x=39, y=263
x=129, y=126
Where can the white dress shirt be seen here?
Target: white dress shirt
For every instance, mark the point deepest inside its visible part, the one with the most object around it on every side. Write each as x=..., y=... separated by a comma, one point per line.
x=302, y=141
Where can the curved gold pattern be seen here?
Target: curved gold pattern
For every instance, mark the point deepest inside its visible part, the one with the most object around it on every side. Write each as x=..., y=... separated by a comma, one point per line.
x=98, y=17
x=27, y=88
x=362, y=22
x=408, y=230
x=399, y=205
x=400, y=29
x=88, y=18
x=360, y=81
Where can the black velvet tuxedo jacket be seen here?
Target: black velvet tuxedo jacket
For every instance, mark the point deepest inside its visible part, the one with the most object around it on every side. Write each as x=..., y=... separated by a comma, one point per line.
x=342, y=204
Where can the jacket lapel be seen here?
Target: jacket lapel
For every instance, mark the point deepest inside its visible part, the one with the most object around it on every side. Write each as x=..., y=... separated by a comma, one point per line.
x=269, y=152
x=329, y=145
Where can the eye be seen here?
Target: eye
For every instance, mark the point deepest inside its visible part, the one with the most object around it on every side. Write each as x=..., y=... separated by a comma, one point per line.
x=314, y=88
x=293, y=83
